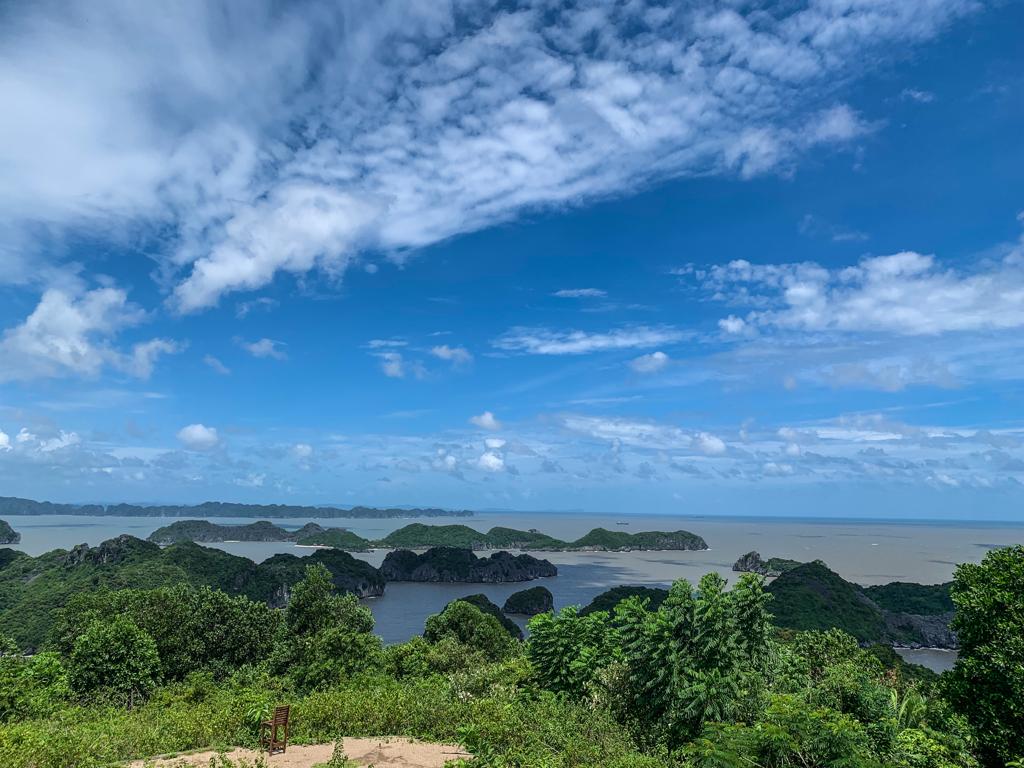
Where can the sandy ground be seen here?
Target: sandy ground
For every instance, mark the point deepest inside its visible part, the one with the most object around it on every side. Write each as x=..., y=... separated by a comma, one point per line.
x=379, y=753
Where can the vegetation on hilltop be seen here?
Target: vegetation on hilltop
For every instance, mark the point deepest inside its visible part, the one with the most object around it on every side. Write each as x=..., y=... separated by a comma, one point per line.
x=418, y=535
x=811, y=596
x=907, y=597
x=529, y=602
x=34, y=589
x=607, y=600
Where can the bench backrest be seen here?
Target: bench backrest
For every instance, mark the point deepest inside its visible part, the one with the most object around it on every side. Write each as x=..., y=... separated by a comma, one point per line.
x=280, y=715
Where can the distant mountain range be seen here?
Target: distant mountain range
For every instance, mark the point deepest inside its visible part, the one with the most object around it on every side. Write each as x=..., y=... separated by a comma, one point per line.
x=10, y=505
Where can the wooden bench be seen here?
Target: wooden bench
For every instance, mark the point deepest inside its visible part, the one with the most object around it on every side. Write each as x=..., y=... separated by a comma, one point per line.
x=274, y=732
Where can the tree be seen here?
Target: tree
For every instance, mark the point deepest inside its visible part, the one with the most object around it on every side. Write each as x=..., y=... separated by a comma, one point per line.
x=325, y=636
x=470, y=627
x=568, y=650
x=987, y=683
x=114, y=657
x=194, y=629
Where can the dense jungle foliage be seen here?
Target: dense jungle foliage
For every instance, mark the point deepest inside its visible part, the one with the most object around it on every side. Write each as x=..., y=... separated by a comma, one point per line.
x=702, y=681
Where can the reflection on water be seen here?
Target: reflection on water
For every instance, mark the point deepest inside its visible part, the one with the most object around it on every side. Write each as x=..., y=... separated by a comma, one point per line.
x=936, y=659
x=866, y=552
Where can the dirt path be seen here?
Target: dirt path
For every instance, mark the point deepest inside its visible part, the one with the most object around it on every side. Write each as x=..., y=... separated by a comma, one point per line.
x=379, y=753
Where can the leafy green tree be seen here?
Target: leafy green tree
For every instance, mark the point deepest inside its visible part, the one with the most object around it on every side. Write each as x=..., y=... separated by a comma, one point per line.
x=30, y=686
x=325, y=636
x=791, y=733
x=116, y=658
x=194, y=628
x=472, y=628
x=987, y=683
x=568, y=650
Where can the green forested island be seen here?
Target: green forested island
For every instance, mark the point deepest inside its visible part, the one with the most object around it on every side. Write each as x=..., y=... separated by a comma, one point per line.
x=455, y=564
x=310, y=534
x=811, y=596
x=418, y=535
x=10, y=505
x=702, y=680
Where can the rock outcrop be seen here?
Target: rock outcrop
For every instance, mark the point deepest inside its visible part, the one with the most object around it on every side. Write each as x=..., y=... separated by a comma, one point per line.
x=8, y=535
x=773, y=566
x=452, y=564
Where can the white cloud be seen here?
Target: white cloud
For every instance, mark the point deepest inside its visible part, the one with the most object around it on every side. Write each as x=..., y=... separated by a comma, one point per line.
x=302, y=451
x=652, y=363
x=455, y=355
x=216, y=365
x=264, y=348
x=198, y=437
x=491, y=462
x=485, y=420
x=273, y=138
x=396, y=366
x=62, y=440
x=5, y=441
x=709, y=444
x=71, y=333
x=629, y=432
x=732, y=324
x=905, y=293
x=543, y=341
x=913, y=94
x=580, y=293
x=494, y=443
x=385, y=343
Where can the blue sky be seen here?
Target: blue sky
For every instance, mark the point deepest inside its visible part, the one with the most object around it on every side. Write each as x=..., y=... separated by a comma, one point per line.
x=710, y=257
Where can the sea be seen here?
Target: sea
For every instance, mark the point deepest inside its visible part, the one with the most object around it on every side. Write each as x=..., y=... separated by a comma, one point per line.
x=863, y=551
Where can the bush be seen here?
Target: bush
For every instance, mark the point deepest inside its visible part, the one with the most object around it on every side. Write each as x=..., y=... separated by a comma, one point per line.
x=115, y=658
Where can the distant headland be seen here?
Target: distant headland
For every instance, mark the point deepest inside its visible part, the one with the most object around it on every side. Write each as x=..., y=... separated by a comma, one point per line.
x=11, y=505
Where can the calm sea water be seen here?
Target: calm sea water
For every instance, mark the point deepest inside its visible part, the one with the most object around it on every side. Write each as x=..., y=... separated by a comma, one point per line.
x=866, y=552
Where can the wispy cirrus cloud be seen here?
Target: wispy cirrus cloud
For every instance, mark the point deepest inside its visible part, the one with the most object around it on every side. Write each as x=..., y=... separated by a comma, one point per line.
x=545, y=341
x=300, y=134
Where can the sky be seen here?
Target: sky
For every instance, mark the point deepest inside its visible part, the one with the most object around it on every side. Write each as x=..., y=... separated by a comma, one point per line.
x=707, y=257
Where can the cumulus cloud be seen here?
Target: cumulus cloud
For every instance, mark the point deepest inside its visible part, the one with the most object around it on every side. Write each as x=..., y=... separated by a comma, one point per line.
x=302, y=451
x=264, y=348
x=300, y=134
x=72, y=333
x=580, y=293
x=543, y=341
x=491, y=462
x=5, y=441
x=906, y=293
x=198, y=437
x=485, y=420
x=652, y=363
x=709, y=444
x=455, y=355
